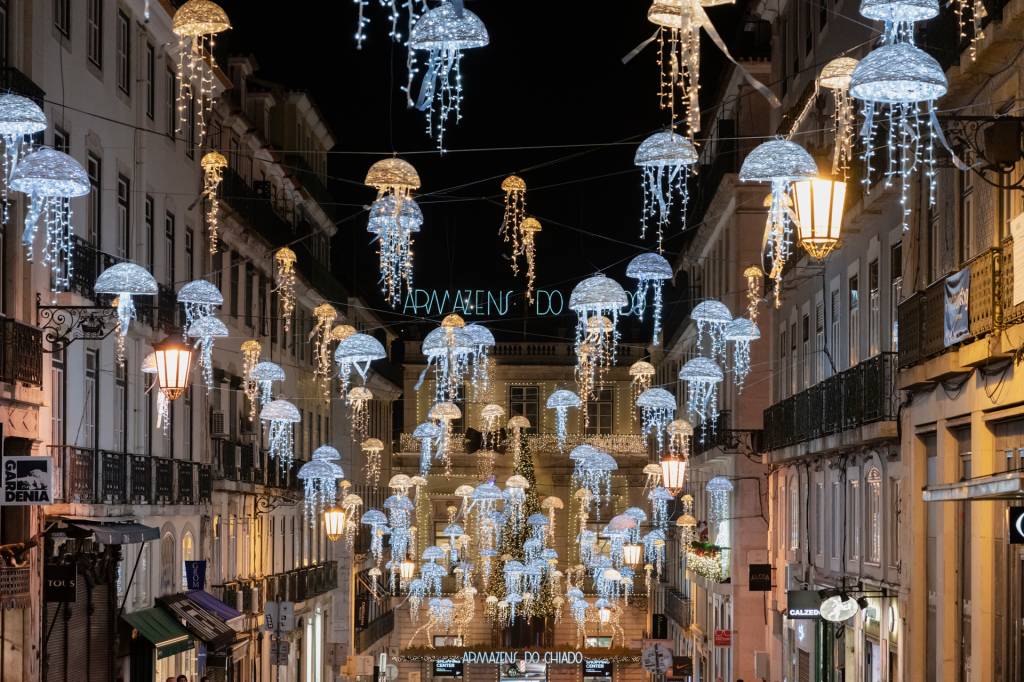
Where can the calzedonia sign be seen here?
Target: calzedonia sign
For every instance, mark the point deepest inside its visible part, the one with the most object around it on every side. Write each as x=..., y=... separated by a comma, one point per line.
x=512, y=657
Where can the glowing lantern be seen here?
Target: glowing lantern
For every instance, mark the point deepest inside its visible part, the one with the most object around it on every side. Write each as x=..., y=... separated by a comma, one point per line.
x=818, y=206
x=673, y=473
x=335, y=523
x=632, y=554
x=173, y=368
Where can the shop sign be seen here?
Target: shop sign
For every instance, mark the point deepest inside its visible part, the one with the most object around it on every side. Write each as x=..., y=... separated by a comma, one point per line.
x=759, y=577
x=682, y=669
x=723, y=637
x=1017, y=525
x=448, y=667
x=513, y=657
x=60, y=581
x=656, y=658
x=28, y=480
x=597, y=667
x=803, y=604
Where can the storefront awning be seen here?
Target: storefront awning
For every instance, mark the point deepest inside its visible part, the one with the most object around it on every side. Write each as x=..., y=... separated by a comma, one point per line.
x=160, y=629
x=1005, y=486
x=200, y=622
x=215, y=606
x=121, y=533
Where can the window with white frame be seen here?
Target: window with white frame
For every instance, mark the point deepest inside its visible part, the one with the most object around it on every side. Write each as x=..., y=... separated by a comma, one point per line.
x=853, y=338
x=819, y=341
x=188, y=551
x=94, y=32
x=835, y=320
x=837, y=518
x=794, y=514
x=601, y=412
x=874, y=309
x=895, y=293
x=853, y=519
x=94, y=169
x=124, y=53
x=123, y=216
x=873, y=491
x=120, y=407
x=91, y=390
x=819, y=520
x=57, y=395
x=168, y=568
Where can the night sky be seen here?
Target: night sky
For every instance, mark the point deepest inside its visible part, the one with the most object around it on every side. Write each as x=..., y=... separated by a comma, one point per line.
x=551, y=76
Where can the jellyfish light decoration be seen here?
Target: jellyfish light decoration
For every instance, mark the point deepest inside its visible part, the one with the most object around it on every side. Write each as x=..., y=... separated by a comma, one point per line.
x=198, y=299
x=641, y=373
x=377, y=521
x=652, y=473
x=679, y=433
x=213, y=165
x=754, y=276
x=530, y=228
x=196, y=23
x=899, y=83
x=711, y=318
x=284, y=276
x=448, y=350
x=835, y=77
x=413, y=8
x=50, y=179
x=428, y=434
x=280, y=416
x=551, y=504
x=595, y=297
x=319, y=479
x=741, y=332
x=124, y=280
x=702, y=376
x=20, y=119
x=251, y=351
x=373, y=447
x=657, y=408
x=325, y=315
x=393, y=176
x=163, y=406
x=491, y=414
x=356, y=353
x=779, y=163
x=560, y=401
x=481, y=341
x=265, y=374
x=659, y=497
x=357, y=399
x=394, y=221
x=445, y=413
x=204, y=330
x=443, y=33
x=517, y=426
x=718, y=490
x=650, y=270
x=514, y=188
x=666, y=159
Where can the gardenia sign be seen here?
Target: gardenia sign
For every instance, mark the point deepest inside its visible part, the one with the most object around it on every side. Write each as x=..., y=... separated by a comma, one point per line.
x=512, y=657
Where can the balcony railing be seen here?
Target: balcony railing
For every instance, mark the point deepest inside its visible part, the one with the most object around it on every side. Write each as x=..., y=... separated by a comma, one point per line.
x=724, y=437
x=861, y=395
x=247, y=463
x=296, y=585
x=87, y=476
x=365, y=637
x=677, y=607
x=922, y=315
x=21, y=353
x=312, y=181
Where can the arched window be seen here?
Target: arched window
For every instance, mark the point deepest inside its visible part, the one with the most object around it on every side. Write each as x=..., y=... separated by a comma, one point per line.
x=874, y=515
x=168, y=569
x=187, y=554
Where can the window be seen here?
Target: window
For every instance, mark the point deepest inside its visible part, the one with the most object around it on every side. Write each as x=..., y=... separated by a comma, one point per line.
x=90, y=406
x=523, y=401
x=835, y=321
x=874, y=516
x=601, y=413
x=966, y=223
x=189, y=257
x=794, y=375
x=805, y=361
x=186, y=428
x=94, y=168
x=190, y=129
x=819, y=520
x=171, y=94
x=150, y=81
x=854, y=331
x=123, y=216
x=61, y=142
x=783, y=364
x=837, y=519
x=874, y=310
x=94, y=32
x=169, y=247
x=247, y=283
x=141, y=582
x=149, y=232
x=168, y=567
x=57, y=404
x=794, y=514
x=895, y=293
x=895, y=488
x=124, y=53
x=852, y=519
x=120, y=408
x=188, y=551
x=819, y=341
x=62, y=17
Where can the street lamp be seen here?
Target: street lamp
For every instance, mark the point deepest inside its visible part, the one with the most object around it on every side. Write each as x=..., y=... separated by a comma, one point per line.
x=673, y=473
x=818, y=205
x=632, y=553
x=407, y=569
x=173, y=365
x=334, y=523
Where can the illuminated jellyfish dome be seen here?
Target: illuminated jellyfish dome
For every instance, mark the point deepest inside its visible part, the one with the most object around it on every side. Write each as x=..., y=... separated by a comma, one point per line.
x=665, y=149
x=899, y=11
x=389, y=212
x=898, y=73
x=20, y=115
x=443, y=29
x=778, y=160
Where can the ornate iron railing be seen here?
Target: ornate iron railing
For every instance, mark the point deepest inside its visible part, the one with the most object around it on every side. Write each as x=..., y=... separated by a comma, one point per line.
x=677, y=607
x=247, y=463
x=87, y=476
x=365, y=637
x=21, y=353
x=721, y=435
x=861, y=395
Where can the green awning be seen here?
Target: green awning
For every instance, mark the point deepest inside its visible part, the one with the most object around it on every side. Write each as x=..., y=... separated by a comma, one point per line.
x=166, y=635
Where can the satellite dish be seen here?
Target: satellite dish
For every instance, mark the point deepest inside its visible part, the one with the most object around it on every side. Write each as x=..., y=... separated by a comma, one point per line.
x=837, y=609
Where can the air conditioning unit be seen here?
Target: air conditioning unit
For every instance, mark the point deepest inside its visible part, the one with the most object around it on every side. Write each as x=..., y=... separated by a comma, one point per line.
x=218, y=424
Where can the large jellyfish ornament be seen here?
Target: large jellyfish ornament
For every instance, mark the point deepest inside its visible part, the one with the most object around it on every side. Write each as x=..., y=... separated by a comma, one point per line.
x=560, y=401
x=665, y=158
x=20, y=119
x=651, y=271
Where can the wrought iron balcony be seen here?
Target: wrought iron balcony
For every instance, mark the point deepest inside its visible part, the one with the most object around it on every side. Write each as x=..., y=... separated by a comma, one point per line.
x=377, y=628
x=247, y=463
x=296, y=585
x=922, y=315
x=724, y=437
x=311, y=180
x=677, y=607
x=87, y=476
x=21, y=353
x=863, y=394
